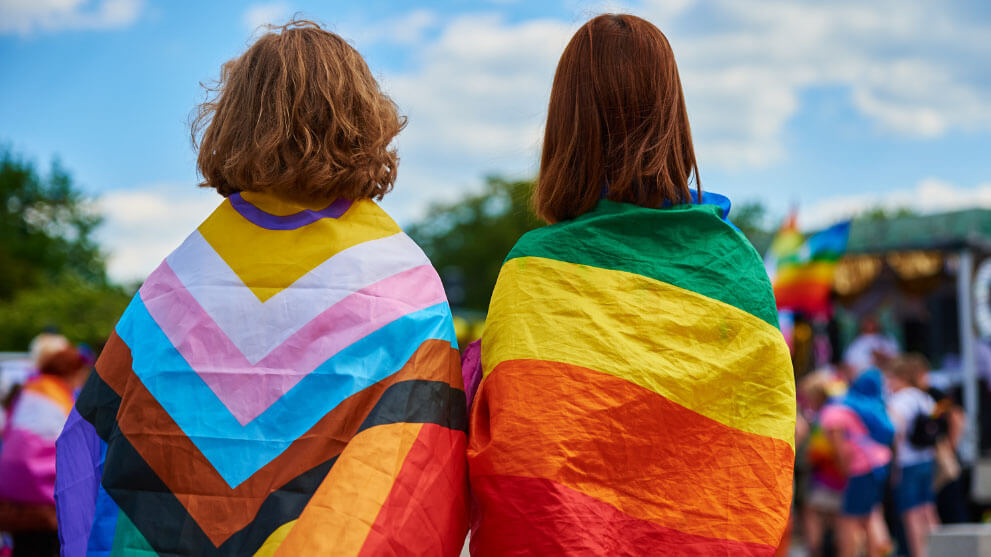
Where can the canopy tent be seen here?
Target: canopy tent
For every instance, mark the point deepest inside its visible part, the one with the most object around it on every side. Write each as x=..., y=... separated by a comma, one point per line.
x=948, y=232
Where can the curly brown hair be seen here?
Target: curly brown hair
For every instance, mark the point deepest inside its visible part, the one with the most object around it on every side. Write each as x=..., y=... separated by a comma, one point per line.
x=298, y=114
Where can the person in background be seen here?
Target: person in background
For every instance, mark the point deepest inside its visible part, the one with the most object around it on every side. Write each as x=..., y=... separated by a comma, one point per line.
x=27, y=458
x=825, y=481
x=951, y=476
x=858, y=425
x=870, y=348
x=917, y=431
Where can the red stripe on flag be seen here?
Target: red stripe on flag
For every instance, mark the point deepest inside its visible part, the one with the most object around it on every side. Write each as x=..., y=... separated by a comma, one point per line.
x=428, y=496
x=537, y=516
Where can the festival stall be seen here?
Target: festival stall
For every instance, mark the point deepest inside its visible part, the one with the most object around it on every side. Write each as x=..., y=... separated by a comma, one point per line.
x=928, y=279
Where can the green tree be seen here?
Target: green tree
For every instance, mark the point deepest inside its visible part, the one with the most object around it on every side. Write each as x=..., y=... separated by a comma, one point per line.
x=79, y=309
x=468, y=240
x=46, y=228
x=52, y=272
x=751, y=218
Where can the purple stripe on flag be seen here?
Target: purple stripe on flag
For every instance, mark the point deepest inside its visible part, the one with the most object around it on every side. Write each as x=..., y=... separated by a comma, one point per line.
x=79, y=460
x=287, y=222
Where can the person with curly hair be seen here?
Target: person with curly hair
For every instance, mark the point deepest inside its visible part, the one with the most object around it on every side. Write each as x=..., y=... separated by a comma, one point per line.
x=288, y=378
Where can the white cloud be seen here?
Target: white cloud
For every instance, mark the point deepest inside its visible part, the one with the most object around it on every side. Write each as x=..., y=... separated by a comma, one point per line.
x=27, y=16
x=145, y=224
x=476, y=96
x=930, y=195
x=909, y=67
x=408, y=29
x=269, y=13
x=480, y=90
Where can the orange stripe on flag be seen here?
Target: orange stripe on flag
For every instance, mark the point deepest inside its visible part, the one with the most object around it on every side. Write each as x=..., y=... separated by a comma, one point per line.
x=339, y=516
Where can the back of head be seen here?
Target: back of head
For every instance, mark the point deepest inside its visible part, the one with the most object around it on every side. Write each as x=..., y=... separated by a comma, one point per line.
x=616, y=122
x=910, y=369
x=65, y=363
x=870, y=384
x=298, y=115
x=46, y=344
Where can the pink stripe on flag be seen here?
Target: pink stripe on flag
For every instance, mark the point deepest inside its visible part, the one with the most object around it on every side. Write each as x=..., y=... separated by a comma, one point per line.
x=248, y=390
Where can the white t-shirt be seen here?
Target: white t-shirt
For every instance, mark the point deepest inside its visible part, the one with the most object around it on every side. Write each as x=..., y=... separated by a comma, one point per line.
x=905, y=406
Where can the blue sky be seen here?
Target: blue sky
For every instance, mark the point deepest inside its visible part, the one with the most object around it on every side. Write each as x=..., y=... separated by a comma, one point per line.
x=836, y=106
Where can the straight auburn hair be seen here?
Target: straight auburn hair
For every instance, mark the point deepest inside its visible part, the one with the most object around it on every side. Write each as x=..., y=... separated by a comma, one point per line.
x=617, y=127
x=299, y=114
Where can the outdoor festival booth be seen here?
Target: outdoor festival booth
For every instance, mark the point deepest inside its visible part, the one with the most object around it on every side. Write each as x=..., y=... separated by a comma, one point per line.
x=929, y=278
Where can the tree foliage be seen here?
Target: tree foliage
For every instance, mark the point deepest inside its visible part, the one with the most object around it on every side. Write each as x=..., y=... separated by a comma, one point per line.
x=751, y=218
x=467, y=240
x=52, y=272
x=79, y=309
x=46, y=228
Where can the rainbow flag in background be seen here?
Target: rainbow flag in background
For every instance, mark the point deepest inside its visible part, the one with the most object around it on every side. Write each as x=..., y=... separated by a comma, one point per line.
x=286, y=382
x=638, y=397
x=803, y=270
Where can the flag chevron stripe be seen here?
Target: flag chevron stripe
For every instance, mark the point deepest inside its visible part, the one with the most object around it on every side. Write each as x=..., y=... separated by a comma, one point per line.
x=542, y=307
x=193, y=474
x=209, y=352
x=291, y=254
x=424, y=492
x=577, y=414
x=171, y=529
x=217, y=433
x=256, y=327
x=624, y=237
x=338, y=521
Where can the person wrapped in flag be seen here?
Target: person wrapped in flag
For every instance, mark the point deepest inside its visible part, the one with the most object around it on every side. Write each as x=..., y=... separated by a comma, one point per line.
x=637, y=395
x=287, y=381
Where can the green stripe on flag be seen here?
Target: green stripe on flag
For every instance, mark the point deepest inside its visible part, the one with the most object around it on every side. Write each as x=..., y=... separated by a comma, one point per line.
x=688, y=246
x=128, y=540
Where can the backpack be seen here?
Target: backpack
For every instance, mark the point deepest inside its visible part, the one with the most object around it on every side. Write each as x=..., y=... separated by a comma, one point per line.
x=927, y=429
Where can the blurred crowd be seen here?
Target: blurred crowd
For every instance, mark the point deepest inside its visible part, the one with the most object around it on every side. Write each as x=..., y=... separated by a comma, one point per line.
x=33, y=415
x=878, y=453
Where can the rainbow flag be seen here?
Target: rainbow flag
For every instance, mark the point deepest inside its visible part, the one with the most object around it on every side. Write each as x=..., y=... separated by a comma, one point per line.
x=803, y=277
x=637, y=396
x=286, y=382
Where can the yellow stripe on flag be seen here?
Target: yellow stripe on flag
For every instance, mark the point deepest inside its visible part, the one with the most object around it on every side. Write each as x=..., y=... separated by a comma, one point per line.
x=703, y=354
x=287, y=255
x=274, y=540
x=340, y=514
x=819, y=271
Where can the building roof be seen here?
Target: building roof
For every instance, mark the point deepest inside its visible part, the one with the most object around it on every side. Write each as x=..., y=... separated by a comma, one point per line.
x=944, y=231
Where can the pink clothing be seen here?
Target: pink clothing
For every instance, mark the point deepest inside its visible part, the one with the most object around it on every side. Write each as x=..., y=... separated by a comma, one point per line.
x=27, y=456
x=471, y=369
x=862, y=453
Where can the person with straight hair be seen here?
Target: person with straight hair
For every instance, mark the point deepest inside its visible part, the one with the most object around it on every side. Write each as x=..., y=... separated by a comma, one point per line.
x=636, y=395
x=287, y=381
